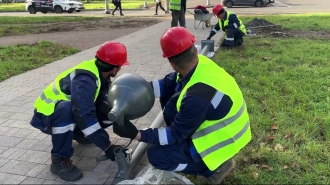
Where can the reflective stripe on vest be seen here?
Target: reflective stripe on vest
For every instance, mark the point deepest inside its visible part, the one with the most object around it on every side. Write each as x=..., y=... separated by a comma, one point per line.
x=225, y=23
x=175, y=4
x=218, y=140
x=52, y=94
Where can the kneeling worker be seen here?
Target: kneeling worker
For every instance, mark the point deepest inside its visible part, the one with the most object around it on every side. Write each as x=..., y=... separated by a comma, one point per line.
x=232, y=26
x=75, y=100
x=207, y=119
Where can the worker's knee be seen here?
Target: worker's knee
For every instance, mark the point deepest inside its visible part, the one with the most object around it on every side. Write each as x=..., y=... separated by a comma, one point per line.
x=62, y=113
x=154, y=153
x=64, y=108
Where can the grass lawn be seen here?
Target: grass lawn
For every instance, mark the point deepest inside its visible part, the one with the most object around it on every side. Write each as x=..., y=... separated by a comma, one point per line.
x=286, y=86
x=18, y=59
x=319, y=21
x=13, y=25
x=49, y=19
x=127, y=4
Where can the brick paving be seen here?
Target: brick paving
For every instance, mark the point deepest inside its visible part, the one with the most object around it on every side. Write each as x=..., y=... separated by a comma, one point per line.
x=25, y=151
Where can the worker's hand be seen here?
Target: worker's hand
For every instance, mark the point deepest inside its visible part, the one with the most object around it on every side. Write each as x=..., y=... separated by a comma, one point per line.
x=102, y=111
x=128, y=131
x=110, y=152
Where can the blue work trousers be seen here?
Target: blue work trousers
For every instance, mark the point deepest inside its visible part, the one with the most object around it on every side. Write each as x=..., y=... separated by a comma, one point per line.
x=234, y=38
x=177, y=157
x=60, y=125
x=181, y=157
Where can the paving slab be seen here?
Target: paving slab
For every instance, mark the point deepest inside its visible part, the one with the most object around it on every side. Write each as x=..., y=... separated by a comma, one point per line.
x=25, y=151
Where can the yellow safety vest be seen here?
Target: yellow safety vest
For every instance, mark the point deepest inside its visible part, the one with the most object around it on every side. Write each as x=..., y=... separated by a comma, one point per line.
x=52, y=94
x=175, y=4
x=216, y=141
x=225, y=23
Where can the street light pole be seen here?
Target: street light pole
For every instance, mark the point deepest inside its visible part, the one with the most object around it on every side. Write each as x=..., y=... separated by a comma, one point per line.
x=145, y=5
x=107, y=10
x=168, y=5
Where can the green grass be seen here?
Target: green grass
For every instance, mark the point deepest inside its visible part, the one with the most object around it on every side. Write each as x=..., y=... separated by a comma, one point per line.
x=127, y=4
x=48, y=19
x=285, y=82
x=13, y=25
x=318, y=21
x=18, y=59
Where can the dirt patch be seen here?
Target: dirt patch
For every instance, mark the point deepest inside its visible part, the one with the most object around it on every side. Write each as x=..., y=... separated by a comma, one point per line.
x=302, y=34
x=258, y=22
x=104, y=23
x=97, y=24
x=265, y=28
x=82, y=35
x=284, y=33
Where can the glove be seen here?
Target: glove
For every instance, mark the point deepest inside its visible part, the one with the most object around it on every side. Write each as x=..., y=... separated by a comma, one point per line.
x=128, y=131
x=110, y=152
x=102, y=111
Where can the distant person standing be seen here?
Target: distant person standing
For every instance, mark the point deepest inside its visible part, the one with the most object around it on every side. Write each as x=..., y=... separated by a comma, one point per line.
x=117, y=3
x=159, y=3
x=178, y=8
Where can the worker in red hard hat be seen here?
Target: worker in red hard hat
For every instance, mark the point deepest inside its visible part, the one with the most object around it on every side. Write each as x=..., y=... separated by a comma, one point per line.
x=74, y=107
x=232, y=26
x=206, y=118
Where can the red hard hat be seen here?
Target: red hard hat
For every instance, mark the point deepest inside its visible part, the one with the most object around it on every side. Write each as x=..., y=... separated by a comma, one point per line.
x=114, y=53
x=216, y=9
x=176, y=40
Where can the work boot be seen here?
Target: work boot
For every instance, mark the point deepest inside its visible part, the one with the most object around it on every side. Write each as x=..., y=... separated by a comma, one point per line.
x=239, y=41
x=221, y=172
x=65, y=169
x=207, y=23
x=80, y=138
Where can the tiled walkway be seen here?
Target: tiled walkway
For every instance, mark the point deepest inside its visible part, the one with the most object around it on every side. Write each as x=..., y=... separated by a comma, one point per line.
x=25, y=151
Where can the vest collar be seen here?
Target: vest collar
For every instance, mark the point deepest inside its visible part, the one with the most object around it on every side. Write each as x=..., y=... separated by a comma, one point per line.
x=185, y=80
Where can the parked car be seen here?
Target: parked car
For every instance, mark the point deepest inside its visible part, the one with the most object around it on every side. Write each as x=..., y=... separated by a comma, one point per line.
x=256, y=3
x=34, y=6
x=79, y=6
x=57, y=6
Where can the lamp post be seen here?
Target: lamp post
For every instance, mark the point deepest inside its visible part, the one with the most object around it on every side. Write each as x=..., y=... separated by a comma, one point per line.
x=107, y=10
x=145, y=5
x=168, y=5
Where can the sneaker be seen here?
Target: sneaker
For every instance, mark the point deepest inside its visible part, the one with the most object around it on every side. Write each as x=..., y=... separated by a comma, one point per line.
x=156, y=14
x=221, y=172
x=65, y=169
